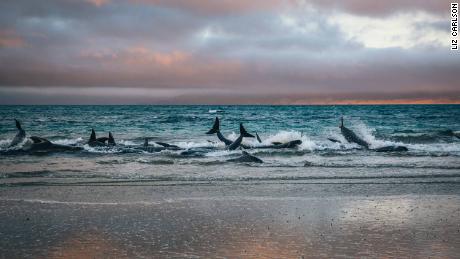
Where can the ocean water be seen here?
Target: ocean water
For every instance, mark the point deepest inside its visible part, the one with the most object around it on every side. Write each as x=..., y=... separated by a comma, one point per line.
x=430, y=132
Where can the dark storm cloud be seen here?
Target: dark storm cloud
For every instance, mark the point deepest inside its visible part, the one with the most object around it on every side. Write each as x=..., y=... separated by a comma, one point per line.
x=225, y=51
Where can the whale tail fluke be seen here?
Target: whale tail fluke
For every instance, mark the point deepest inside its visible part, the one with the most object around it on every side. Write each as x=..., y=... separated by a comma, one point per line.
x=111, y=139
x=18, y=124
x=244, y=133
x=215, y=127
x=92, y=137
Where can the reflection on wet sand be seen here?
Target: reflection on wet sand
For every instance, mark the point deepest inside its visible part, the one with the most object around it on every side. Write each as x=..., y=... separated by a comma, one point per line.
x=394, y=226
x=86, y=245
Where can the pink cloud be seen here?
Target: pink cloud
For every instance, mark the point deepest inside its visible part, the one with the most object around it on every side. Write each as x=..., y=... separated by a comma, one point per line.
x=217, y=7
x=9, y=39
x=145, y=56
x=98, y=3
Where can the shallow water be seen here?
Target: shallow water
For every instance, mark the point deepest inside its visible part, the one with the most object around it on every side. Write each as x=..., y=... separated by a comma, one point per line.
x=430, y=132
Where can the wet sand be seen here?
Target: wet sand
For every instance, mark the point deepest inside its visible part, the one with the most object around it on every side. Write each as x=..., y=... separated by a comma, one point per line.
x=232, y=220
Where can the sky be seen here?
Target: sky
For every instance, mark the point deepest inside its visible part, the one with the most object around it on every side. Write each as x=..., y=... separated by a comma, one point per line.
x=227, y=52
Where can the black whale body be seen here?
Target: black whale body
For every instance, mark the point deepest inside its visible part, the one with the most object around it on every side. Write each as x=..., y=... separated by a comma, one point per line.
x=246, y=158
x=351, y=137
x=43, y=145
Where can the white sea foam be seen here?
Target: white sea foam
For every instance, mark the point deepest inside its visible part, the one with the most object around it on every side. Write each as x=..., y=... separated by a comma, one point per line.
x=5, y=142
x=104, y=150
x=215, y=111
x=125, y=142
x=68, y=141
x=221, y=153
x=192, y=144
x=367, y=134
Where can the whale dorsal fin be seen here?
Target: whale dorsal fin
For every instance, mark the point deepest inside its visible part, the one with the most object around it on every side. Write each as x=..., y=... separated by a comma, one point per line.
x=18, y=124
x=215, y=127
x=92, y=137
x=341, y=122
x=111, y=139
x=146, y=142
x=244, y=133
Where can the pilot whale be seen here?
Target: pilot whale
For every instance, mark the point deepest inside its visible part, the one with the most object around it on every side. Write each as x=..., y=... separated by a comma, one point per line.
x=351, y=137
x=216, y=130
x=246, y=158
x=98, y=142
x=275, y=145
x=391, y=149
x=43, y=145
x=237, y=142
x=20, y=136
x=231, y=145
x=163, y=146
x=278, y=145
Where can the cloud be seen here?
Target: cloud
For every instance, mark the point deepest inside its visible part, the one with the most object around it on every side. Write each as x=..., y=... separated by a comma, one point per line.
x=407, y=30
x=383, y=8
x=9, y=39
x=98, y=2
x=137, y=56
x=222, y=7
x=231, y=51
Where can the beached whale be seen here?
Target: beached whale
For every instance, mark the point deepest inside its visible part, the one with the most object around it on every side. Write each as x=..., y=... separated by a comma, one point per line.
x=278, y=145
x=163, y=146
x=216, y=130
x=43, y=145
x=334, y=140
x=237, y=142
x=99, y=142
x=20, y=136
x=246, y=158
x=351, y=137
x=391, y=149
x=231, y=145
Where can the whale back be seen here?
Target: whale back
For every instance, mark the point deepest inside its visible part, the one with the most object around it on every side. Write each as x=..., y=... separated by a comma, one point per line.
x=351, y=137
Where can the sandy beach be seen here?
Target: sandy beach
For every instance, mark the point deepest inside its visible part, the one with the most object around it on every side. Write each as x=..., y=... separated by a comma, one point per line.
x=230, y=220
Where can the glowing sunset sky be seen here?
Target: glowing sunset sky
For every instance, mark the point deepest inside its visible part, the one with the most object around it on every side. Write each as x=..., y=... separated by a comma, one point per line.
x=226, y=51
